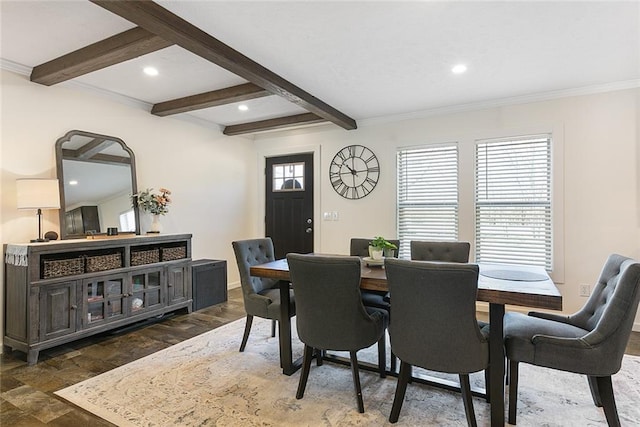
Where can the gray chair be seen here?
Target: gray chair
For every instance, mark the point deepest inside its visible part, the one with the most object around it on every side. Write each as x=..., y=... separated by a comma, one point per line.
x=261, y=295
x=330, y=313
x=590, y=342
x=440, y=251
x=434, y=324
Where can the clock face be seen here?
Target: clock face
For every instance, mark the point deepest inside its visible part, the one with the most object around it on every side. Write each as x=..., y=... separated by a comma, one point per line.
x=354, y=172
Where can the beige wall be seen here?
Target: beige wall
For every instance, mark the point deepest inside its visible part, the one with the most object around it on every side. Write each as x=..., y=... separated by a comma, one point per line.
x=600, y=158
x=212, y=177
x=217, y=191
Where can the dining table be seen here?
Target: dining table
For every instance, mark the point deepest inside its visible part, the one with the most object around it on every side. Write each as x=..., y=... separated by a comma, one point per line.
x=498, y=284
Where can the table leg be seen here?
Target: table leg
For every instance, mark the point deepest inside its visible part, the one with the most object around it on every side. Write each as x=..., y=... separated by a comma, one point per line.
x=284, y=335
x=496, y=360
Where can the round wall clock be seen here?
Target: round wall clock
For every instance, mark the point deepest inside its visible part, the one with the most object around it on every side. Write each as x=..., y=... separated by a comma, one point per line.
x=354, y=172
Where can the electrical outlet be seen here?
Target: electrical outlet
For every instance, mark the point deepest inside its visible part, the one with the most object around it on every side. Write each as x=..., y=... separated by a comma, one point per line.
x=326, y=216
x=335, y=216
x=585, y=290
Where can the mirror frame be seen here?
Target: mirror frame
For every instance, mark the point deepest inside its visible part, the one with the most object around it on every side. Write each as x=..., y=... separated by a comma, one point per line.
x=60, y=173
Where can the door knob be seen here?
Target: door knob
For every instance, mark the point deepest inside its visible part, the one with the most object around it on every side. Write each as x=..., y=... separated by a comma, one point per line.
x=309, y=220
x=309, y=230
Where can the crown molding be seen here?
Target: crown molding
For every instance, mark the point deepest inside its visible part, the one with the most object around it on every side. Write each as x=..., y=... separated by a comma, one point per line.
x=502, y=102
x=452, y=109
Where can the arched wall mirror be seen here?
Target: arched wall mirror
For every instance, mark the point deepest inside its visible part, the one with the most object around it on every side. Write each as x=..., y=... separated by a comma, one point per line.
x=97, y=177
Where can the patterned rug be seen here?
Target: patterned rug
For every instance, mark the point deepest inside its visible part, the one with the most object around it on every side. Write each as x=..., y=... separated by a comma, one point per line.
x=205, y=381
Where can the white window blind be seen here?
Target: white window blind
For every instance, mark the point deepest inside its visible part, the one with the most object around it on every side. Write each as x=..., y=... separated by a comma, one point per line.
x=427, y=195
x=513, y=201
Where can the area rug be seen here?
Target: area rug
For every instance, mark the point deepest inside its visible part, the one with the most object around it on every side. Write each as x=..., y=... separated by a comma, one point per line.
x=205, y=381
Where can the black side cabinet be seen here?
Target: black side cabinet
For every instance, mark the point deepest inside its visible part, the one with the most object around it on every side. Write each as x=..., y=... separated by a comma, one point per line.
x=209, y=282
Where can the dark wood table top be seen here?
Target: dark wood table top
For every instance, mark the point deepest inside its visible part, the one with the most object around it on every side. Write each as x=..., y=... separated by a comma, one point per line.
x=497, y=284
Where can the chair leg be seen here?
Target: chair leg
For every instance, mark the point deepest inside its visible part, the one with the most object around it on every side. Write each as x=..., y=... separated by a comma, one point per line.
x=465, y=387
x=356, y=380
x=487, y=384
x=247, y=329
x=513, y=391
x=393, y=362
x=319, y=356
x=595, y=393
x=306, y=367
x=382, y=356
x=273, y=328
x=401, y=388
x=605, y=389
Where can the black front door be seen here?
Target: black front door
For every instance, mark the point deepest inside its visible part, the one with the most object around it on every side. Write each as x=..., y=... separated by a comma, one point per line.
x=289, y=203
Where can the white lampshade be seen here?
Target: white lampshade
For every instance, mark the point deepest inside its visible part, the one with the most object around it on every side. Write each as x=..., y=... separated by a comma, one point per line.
x=38, y=193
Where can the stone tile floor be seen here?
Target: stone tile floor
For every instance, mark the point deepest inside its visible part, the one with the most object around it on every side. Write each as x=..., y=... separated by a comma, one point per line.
x=26, y=392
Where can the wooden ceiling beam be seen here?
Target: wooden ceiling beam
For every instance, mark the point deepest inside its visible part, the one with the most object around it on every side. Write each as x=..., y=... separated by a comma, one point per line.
x=171, y=27
x=113, y=50
x=229, y=95
x=272, y=124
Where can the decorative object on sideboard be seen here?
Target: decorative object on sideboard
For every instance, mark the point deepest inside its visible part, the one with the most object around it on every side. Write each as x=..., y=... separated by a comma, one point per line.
x=38, y=194
x=51, y=235
x=154, y=203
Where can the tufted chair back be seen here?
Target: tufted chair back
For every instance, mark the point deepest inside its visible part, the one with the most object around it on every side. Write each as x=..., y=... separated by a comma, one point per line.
x=249, y=253
x=440, y=251
x=596, y=311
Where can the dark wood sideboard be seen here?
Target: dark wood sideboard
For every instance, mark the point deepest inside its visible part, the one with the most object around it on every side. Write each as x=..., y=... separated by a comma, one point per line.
x=71, y=289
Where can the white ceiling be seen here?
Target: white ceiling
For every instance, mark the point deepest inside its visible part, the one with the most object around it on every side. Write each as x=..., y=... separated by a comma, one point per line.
x=368, y=59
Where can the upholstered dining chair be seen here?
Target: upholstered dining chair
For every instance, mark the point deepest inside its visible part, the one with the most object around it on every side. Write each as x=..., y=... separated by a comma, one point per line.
x=261, y=295
x=589, y=342
x=330, y=313
x=434, y=324
x=440, y=251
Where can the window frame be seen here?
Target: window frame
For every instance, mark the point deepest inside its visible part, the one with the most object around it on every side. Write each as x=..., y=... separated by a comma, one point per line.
x=466, y=184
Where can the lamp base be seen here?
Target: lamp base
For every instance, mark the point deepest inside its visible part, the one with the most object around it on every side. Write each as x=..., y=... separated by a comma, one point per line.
x=39, y=240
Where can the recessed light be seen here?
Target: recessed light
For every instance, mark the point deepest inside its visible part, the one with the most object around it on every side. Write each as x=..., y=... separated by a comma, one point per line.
x=73, y=182
x=459, y=69
x=150, y=71
x=243, y=107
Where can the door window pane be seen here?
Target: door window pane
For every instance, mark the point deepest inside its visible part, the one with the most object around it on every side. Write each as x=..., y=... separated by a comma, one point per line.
x=288, y=177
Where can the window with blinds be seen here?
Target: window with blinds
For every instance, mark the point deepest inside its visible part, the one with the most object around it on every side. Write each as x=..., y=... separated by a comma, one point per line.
x=513, y=201
x=427, y=207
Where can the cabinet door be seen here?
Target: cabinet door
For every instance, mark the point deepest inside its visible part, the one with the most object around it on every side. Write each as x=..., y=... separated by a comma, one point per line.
x=58, y=310
x=146, y=290
x=106, y=299
x=178, y=283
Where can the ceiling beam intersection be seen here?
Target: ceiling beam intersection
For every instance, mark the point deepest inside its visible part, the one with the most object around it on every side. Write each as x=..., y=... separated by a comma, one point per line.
x=110, y=51
x=171, y=27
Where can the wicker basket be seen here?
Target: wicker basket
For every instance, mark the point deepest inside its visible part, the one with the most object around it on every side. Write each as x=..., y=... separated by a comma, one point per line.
x=62, y=267
x=103, y=262
x=178, y=252
x=145, y=257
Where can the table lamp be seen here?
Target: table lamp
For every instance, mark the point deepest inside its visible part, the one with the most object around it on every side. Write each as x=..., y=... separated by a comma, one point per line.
x=38, y=194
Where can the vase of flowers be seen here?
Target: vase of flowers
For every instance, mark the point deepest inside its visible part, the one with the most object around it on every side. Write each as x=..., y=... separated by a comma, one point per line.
x=155, y=203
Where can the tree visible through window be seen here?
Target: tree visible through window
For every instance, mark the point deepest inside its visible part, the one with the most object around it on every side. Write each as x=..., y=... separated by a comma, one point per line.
x=513, y=201
x=427, y=195
x=510, y=216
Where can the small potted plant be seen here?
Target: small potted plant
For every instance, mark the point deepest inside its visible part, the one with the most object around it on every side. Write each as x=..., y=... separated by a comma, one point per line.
x=380, y=247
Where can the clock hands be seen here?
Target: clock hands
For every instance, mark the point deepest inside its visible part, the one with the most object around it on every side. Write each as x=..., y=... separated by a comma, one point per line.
x=353, y=172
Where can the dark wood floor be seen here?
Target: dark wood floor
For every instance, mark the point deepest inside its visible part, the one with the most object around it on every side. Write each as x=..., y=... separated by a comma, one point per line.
x=26, y=392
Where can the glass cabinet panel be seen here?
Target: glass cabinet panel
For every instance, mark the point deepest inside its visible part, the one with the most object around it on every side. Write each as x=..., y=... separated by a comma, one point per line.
x=105, y=298
x=146, y=290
